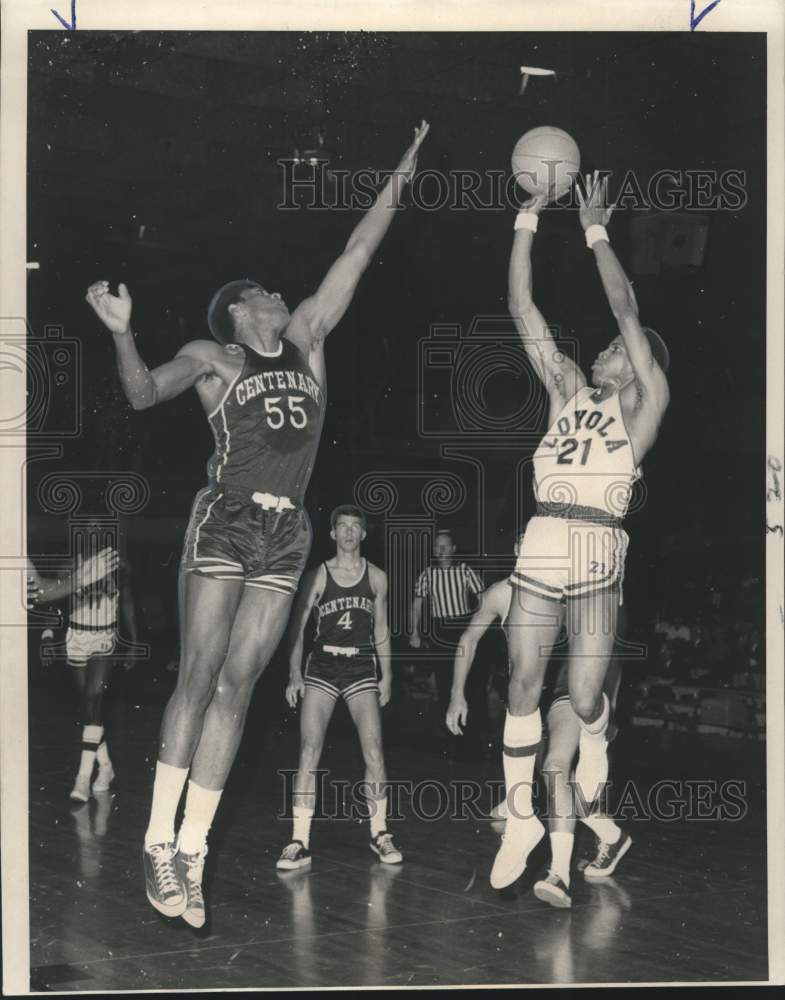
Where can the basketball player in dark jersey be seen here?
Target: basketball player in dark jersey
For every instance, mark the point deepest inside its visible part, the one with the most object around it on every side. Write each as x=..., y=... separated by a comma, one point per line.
x=263, y=391
x=574, y=549
x=349, y=597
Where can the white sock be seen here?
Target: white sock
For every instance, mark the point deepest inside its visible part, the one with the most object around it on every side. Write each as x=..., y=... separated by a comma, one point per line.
x=168, y=787
x=200, y=806
x=604, y=828
x=561, y=854
x=378, y=815
x=591, y=771
x=102, y=755
x=522, y=734
x=91, y=738
x=301, y=827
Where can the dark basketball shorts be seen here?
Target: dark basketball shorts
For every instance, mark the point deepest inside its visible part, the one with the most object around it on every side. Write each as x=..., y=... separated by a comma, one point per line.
x=230, y=537
x=341, y=676
x=560, y=558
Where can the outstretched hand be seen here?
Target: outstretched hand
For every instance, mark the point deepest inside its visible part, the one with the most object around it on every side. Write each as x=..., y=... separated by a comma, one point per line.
x=408, y=164
x=114, y=311
x=594, y=210
x=98, y=566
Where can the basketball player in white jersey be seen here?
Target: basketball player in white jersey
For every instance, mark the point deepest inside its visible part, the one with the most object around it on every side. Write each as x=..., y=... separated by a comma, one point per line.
x=573, y=550
x=96, y=604
x=349, y=597
x=563, y=729
x=263, y=389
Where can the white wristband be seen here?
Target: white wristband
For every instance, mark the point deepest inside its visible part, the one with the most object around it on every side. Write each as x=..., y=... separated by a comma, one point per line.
x=594, y=234
x=527, y=220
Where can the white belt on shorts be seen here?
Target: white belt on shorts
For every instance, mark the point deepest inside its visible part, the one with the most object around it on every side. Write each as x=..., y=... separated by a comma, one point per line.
x=267, y=501
x=342, y=650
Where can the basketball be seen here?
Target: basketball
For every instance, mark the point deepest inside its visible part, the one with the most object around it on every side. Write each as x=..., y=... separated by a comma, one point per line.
x=545, y=160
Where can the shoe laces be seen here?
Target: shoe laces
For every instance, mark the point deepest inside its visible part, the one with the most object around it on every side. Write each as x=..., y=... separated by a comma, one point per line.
x=385, y=843
x=162, y=857
x=194, y=869
x=603, y=854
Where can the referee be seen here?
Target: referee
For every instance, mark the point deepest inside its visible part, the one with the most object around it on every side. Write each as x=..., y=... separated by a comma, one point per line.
x=451, y=589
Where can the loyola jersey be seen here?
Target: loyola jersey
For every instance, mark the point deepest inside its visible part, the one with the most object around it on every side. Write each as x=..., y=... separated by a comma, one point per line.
x=268, y=425
x=586, y=457
x=345, y=614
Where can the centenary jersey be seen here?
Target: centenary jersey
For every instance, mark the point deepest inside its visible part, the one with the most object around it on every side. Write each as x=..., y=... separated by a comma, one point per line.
x=268, y=425
x=345, y=614
x=586, y=456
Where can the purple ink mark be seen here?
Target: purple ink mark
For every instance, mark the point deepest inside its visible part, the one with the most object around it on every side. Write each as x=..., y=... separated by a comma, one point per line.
x=72, y=25
x=695, y=21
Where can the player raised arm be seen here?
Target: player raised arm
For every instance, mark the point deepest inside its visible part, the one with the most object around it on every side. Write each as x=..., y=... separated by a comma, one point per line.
x=381, y=632
x=41, y=590
x=144, y=388
x=560, y=376
x=650, y=378
x=310, y=592
x=493, y=604
x=316, y=316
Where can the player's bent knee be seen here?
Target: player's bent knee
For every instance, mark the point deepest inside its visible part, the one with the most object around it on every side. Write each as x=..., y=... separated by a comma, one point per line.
x=556, y=766
x=586, y=705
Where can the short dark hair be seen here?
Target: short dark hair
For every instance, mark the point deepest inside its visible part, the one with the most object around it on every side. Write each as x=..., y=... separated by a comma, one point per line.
x=347, y=510
x=658, y=347
x=218, y=316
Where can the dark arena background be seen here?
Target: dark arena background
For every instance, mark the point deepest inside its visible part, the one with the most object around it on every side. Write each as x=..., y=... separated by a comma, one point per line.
x=163, y=160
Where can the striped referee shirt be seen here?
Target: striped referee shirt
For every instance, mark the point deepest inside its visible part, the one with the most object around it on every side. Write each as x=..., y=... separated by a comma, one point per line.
x=449, y=589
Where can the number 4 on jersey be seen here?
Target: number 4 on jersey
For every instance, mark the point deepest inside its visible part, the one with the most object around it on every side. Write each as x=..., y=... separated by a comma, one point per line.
x=345, y=621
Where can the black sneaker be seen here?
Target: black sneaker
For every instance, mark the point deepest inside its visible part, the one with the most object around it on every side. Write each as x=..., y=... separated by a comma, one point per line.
x=553, y=890
x=293, y=856
x=608, y=856
x=164, y=889
x=382, y=844
x=190, y=868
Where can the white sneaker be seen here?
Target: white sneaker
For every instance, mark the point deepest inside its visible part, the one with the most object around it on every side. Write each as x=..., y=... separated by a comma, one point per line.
x=520, y=838
x=104, y=778
x=553, y=890
x=81, y=790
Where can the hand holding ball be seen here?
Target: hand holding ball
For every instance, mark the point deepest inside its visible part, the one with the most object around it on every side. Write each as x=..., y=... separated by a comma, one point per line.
x=545, y=161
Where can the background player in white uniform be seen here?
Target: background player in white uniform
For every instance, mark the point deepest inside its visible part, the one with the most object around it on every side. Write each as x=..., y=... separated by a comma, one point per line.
x=574, y=548
x=563, y=731
x=349, y=595
x=263, y=389
x=96, y=601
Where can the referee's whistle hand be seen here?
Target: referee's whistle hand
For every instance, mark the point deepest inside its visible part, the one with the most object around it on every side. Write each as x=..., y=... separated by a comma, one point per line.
x=415, y=641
